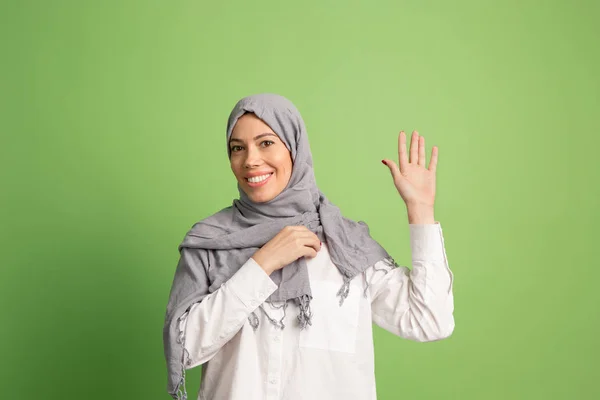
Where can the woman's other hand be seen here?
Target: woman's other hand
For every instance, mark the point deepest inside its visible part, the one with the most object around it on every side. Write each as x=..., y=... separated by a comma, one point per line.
x=291, y=243
x=415, y=183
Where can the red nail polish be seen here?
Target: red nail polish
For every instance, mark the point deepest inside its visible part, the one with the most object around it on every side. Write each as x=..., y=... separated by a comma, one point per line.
x=383, y=162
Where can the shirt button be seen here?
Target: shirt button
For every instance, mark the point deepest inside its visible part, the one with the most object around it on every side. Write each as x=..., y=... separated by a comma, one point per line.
x=261, y=294
x=273, y=381
x=253, y=303
x=276, y=338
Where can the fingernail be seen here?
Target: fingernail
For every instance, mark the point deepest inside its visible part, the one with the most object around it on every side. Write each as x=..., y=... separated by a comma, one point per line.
x=383, y=162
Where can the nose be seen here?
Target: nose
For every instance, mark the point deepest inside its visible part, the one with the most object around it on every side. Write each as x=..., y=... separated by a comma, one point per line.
x=253, y=157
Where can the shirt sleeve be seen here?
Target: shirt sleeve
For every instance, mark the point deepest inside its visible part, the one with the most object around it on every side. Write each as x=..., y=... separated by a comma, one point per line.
x=415, y=304
x=211, y=323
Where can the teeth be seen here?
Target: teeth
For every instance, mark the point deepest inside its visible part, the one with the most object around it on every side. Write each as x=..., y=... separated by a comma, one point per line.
x=257, y=179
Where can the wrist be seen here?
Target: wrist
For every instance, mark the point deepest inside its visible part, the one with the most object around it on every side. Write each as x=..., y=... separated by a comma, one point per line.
x=262, y=263
x=267, y=270
x=420, y=214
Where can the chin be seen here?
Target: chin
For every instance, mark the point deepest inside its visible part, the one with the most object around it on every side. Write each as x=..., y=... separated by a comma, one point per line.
x=261, y=196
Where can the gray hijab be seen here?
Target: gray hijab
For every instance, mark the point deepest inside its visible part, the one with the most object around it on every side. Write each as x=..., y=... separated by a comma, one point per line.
x=217, y=246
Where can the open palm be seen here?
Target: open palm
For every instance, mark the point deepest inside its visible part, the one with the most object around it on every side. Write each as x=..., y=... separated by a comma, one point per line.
x=415, y=183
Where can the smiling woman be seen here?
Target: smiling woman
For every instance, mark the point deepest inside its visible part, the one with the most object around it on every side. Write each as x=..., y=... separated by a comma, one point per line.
x=259, y=159
x=250, y=276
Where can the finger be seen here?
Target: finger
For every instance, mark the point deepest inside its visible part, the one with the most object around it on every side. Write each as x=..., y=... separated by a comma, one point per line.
x=309, y=252
x=312, y=246
x=422, y=151
x=303, y=228
x=434, y=159
x=394, y=170
x=402, y=155
x=414, y=148
x=309, y=238
x=308, y=233
x=316, y=240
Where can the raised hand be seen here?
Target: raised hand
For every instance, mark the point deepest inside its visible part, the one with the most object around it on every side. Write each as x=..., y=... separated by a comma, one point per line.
x=415, y=183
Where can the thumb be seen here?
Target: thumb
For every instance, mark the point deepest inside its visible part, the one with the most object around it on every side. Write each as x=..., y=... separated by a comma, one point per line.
x=395, y=171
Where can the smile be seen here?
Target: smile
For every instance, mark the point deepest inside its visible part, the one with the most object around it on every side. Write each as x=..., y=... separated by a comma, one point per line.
x=259, y=180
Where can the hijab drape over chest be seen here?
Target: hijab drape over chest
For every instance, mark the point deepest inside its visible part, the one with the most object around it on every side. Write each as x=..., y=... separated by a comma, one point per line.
x=216, y=247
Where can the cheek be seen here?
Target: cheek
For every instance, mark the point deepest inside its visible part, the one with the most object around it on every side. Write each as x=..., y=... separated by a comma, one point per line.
x=283, y=162
x=286, y=167
x=236, y=170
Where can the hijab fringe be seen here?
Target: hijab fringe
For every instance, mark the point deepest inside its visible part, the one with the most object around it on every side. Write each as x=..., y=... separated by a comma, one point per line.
x=305, y=315
x=389, y=260
x=180, y=390
x=344, y=290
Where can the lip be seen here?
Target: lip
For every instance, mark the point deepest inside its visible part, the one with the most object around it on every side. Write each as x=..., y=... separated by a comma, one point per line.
x=258, y=184
x=259, y=173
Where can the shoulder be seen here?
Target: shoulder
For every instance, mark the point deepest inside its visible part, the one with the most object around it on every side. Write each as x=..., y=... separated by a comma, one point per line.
x=208, y=228
x=216, y=223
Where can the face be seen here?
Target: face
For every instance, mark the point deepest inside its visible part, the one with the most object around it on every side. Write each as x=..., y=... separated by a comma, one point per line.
x=257, y=151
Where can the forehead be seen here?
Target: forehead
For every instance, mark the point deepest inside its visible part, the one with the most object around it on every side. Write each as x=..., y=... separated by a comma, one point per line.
x=249, y=125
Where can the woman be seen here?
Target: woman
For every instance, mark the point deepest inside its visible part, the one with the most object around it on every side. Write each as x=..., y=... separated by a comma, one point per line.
x=275, y=296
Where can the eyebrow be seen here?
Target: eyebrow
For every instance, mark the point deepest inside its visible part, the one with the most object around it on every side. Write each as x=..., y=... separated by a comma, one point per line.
x=255, y=137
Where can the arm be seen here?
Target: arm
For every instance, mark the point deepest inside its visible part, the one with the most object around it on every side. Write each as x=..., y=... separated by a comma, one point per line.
x=415, y=304
x=211, y=323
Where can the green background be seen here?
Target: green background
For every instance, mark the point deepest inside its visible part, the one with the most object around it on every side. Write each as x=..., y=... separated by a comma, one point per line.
x=113, y=121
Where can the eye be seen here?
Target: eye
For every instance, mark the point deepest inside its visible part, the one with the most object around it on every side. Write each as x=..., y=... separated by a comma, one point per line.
x=233, y=148
x=268, y=141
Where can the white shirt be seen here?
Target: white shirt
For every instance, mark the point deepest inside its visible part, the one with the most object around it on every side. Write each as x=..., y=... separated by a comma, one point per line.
x=333, y=358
